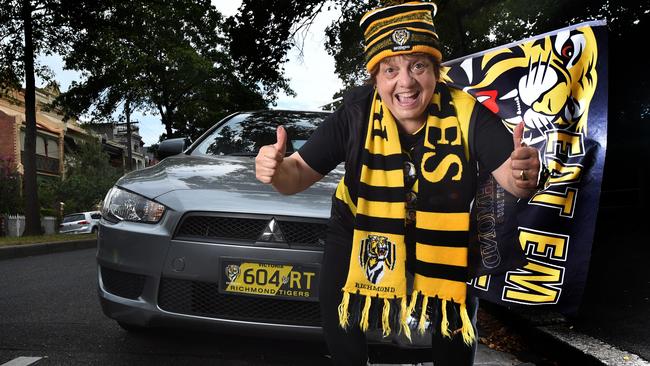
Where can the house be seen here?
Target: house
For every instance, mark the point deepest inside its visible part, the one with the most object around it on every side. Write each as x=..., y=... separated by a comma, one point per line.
x=54, y=136
x=115, y=142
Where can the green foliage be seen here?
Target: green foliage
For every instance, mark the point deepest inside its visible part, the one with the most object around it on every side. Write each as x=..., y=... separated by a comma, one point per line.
x=29, y=28
x=49, y=34
x=89, y=176
x=345, y=44
x=168, y=58
x=260, y=36
x=10, y=197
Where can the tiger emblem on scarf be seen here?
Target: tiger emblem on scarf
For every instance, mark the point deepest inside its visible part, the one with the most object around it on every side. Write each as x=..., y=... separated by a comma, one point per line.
x=548, y=82
x=376, y=256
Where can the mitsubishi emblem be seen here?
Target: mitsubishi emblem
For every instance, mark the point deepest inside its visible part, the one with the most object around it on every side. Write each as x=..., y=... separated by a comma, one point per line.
x=272, y=232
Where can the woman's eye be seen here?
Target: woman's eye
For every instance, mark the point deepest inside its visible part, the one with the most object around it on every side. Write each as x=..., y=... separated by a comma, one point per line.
x=419, y=67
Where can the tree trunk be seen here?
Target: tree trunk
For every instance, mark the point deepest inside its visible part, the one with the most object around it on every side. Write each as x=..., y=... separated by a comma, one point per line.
x=30, y=192
x=166, y=120
x=127, y=112
x=168, y=130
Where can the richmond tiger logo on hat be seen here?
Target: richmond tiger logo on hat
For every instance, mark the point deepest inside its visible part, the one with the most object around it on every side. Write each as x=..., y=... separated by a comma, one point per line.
x=401, y=36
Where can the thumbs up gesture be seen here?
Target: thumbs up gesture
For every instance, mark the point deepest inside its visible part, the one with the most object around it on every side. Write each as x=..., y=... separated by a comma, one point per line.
x=269, y=158
x=524, y=161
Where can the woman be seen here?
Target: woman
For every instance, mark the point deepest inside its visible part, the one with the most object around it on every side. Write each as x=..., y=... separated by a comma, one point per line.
x=412, y=148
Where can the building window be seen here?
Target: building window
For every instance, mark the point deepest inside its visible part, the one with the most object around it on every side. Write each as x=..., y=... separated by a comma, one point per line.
x=41, y=148
x=52, y=148
x=45, y=145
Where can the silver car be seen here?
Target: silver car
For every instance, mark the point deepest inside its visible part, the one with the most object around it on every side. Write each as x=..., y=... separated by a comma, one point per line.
x=80, y=223
x=197, y=242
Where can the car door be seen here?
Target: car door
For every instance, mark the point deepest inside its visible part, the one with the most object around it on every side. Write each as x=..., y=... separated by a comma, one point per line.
x=71, y=222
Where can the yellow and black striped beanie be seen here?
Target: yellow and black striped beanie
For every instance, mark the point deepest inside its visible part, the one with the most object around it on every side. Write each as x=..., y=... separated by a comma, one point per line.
x=399, y=29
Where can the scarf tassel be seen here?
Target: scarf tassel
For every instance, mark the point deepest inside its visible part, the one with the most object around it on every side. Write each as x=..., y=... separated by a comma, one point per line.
x=385, y=318
x=422, y=324
x=365, y=314
x=404, y=327
x=467, y=329
x=344, y=315
x=444, y=323
x=406, y=310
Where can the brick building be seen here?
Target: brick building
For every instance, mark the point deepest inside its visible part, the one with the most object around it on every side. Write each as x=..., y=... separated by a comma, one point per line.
x=54, y=136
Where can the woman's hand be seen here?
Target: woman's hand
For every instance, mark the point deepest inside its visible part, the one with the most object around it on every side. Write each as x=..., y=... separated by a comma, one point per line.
x=287, y=175
x=270, y=157
x=524, y=162
x=519, y=174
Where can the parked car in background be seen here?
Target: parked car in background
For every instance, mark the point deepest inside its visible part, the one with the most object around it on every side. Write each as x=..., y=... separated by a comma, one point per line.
x=80, y=223
x=197, y=242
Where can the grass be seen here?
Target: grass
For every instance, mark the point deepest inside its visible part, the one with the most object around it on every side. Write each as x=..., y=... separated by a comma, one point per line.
x=6, y=241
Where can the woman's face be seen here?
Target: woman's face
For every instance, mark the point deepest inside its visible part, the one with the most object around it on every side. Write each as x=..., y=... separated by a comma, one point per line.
x=405, y=84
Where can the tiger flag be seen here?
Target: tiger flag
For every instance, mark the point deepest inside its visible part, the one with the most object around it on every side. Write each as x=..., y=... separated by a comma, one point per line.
x=557, y=84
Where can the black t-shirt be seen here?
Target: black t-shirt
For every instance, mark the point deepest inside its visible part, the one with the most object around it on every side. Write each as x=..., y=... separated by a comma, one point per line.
x=341, y=138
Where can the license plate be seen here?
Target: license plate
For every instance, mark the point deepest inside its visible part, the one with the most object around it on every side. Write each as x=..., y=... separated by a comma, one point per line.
x=271, y=279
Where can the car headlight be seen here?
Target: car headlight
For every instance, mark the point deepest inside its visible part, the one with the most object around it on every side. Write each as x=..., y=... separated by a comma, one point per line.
x=121, y=205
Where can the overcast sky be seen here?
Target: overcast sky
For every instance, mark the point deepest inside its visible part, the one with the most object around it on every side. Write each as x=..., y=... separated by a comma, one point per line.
x=311, y=76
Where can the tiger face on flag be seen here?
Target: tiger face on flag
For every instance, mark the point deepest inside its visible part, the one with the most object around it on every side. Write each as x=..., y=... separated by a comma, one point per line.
x=557, y=84
x=548, y=83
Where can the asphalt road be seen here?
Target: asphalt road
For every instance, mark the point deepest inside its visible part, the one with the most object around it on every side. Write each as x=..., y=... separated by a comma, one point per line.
x=49, y=309
x=50, y=315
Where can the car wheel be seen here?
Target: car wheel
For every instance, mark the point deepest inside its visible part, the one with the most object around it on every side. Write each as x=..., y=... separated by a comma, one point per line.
x=132, y=328
x=94, y=230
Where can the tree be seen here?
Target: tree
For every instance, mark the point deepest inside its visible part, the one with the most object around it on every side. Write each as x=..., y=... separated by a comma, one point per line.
x=260, y=36
x=88, y=178
x=168, y=58
x=9, y=188
x=29, y=28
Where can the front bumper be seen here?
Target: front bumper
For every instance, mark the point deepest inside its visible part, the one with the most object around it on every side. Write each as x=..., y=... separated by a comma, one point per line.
x=81, y=230
x=146, y=278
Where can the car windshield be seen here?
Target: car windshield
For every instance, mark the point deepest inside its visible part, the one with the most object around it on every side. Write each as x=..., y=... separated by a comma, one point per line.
x=245, y=133
x=75, y=217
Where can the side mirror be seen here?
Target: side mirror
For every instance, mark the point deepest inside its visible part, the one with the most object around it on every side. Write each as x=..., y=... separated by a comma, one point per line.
x=171, y=147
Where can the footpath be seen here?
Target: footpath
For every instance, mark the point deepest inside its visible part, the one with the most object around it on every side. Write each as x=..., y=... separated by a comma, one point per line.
x=610, y=330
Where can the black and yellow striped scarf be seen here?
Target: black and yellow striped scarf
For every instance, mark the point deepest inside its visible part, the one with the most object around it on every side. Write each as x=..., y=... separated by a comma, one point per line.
x=377, y=266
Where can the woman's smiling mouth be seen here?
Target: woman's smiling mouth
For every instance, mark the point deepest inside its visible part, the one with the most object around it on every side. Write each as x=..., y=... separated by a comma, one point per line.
x=407, y=99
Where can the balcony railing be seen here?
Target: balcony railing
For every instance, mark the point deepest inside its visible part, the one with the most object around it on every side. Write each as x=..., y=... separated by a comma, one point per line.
x=44, y=164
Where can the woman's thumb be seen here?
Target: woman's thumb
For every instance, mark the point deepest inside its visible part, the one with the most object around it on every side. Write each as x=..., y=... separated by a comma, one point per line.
x=281, y=144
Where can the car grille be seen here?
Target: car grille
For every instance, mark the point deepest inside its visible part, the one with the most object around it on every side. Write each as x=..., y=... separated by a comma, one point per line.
x=296, y=233
x=122, y=284
x=204, y=299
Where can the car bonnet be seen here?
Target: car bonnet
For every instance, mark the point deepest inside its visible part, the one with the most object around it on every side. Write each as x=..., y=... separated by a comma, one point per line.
x=225, y=183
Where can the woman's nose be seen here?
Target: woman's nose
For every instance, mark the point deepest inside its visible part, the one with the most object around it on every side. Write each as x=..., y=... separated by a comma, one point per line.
x=404, y=78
